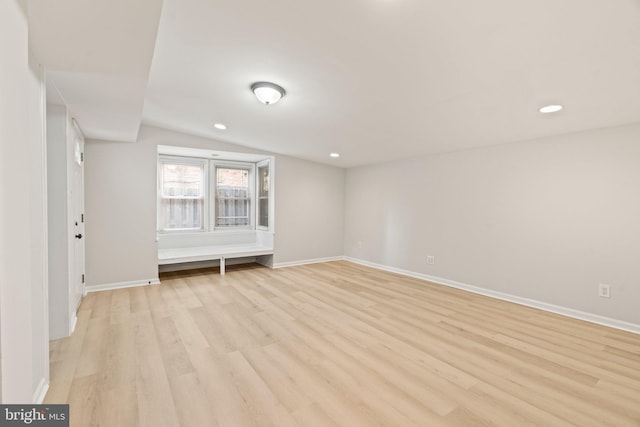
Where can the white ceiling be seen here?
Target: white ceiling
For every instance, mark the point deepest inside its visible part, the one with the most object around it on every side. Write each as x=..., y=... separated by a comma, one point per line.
x=98, y=55
x=374, y=80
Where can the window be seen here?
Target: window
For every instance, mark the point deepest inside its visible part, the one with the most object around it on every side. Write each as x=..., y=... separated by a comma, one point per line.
x=263, y=194
x=181, y=194
x=232, y=196
x=200, y=194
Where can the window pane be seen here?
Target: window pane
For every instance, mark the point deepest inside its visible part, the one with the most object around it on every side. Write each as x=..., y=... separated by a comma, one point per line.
x=182, y=180
x=232, y=197
x=263, y=196
x=182, y=197
x=263, y=178
x=182, y=214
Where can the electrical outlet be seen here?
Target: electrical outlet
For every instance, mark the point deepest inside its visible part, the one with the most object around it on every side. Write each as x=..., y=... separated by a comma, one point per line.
x=359, y=244
x=431, y=260
x=604, y=291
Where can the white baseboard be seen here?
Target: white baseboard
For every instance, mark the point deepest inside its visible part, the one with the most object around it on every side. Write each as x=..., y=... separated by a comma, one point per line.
x=307, y=261
x=40, y=391
x=122, y=285
x=564, y=311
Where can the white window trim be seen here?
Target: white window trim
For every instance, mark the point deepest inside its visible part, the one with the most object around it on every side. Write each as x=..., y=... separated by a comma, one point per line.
x=189, y=161
x=187, y=154
x=251, y=167
x=258, y=165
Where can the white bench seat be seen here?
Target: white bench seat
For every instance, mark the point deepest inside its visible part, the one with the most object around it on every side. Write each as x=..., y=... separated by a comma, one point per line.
x=213, y=246
x=207, y=253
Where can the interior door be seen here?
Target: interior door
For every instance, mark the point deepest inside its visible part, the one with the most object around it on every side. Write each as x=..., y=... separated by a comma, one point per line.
x=76, y=198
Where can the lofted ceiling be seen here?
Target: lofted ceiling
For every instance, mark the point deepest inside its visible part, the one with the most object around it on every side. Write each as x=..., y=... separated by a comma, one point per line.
x=374, y=80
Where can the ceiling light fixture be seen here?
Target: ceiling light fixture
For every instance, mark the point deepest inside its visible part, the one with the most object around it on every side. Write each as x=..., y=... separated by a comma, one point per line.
x=335, y=155
x=550, y=109
x=220, y=126
x=267, y=93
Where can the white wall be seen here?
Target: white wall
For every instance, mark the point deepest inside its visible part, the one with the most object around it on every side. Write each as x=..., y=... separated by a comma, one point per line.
x=120, y=202
x=38, y=211
x=58, y=158
x=120, y=224
x=309, y=211
x=548, y=219
x=18, y=167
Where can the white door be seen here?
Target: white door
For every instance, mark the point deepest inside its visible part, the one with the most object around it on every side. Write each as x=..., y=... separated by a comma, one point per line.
x=76, y=198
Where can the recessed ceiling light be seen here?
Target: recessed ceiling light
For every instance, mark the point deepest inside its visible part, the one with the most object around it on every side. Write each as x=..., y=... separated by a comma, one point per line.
x=220, y=126
x=550, y=109
x=267, y=93
x=335, y=155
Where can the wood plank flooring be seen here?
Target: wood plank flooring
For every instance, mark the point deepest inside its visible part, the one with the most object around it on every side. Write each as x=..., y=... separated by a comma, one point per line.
x=335, y=344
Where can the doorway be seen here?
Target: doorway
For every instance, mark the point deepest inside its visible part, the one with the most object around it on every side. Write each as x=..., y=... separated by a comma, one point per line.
x=76, y=212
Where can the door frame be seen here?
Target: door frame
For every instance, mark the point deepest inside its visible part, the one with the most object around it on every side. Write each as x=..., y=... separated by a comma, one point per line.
x=75, y=211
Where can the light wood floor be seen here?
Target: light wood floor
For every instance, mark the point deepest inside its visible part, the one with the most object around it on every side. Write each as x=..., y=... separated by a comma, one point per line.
x=335, y=344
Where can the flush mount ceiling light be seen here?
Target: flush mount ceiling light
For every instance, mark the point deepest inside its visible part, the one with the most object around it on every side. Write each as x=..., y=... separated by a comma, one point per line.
x=220, y=126
x=335, y=155
x=267, y=93
x=550, y=109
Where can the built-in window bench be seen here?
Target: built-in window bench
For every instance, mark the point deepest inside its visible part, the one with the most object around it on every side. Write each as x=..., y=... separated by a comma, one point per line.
x=184, y=248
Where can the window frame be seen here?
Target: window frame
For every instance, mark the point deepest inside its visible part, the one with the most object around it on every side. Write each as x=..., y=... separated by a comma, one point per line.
x=213, y=193
x=258, y=165
x=186, y=161
x=209, y=214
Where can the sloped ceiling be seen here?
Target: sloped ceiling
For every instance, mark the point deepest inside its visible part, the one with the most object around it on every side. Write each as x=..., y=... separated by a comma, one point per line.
x=374, y=80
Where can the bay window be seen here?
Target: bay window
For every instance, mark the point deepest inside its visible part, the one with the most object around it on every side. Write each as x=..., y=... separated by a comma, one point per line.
x=200, y=194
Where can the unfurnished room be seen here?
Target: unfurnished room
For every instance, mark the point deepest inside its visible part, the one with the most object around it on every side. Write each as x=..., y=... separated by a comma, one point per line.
x=377, y=213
